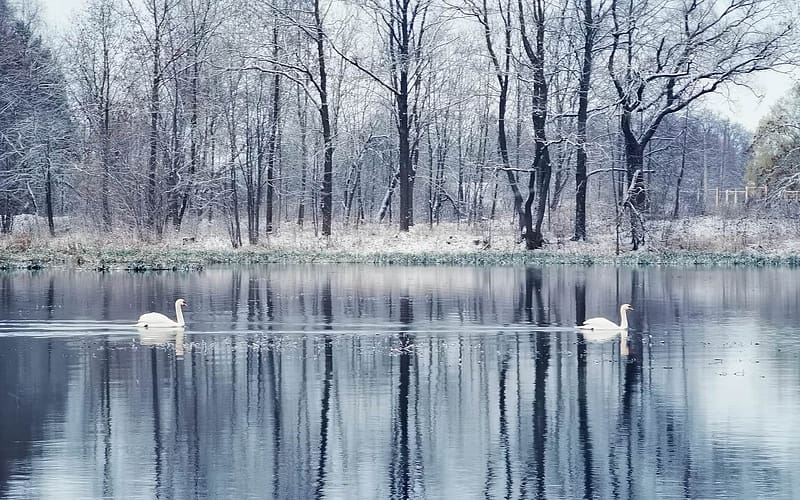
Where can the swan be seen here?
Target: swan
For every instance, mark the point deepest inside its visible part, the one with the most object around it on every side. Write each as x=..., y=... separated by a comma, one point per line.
x=595, y=324
x=158, y=320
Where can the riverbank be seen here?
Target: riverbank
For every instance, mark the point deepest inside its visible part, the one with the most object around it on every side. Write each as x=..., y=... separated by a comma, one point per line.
x=695, y=241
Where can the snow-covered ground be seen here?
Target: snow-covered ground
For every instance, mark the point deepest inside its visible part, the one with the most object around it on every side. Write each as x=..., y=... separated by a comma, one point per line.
x=754, y=234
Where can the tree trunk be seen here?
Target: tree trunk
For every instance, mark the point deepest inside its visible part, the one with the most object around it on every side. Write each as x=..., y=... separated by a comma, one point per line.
x=683, y=167
x=439, y=192
x=235, y=226
x=386, y=204
x=153, y=205
x=48, y=194
x=400, y=54
x=302, y=119
x=105, y=107
x=493, y=210
x=193, y=120
x=539, y=183
x=155, y=215
x=231, y=201
x=175, y=160
x=460, y=187
x=431, y=174
x=503, y=145
x=582, y=118
x=403, y=131
x=326, y=192
x=254, y=166
x=272, y=145
x=502, y=70
x=635, y=199
x=236, y=233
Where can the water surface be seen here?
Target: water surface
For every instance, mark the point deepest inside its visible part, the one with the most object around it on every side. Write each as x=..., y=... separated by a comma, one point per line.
x=401, y=382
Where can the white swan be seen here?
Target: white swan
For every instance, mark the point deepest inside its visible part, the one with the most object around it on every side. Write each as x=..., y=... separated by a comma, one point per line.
x=158, y=320
x=595, y=324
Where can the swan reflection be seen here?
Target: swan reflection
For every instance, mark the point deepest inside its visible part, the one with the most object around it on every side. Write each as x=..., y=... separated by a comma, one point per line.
x=163, y=336
x=602, y=336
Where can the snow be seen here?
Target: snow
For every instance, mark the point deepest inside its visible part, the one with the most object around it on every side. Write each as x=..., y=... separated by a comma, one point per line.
x=752, y=234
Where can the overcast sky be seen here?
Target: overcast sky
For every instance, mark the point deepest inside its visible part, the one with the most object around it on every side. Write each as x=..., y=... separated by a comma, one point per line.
x=58, y=12
x=743, y=105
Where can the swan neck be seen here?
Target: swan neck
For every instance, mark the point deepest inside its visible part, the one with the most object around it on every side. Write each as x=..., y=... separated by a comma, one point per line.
x=623, y=318
x=179, y=313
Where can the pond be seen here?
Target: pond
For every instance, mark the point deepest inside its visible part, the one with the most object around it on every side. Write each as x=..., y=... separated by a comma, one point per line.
x=356, y=381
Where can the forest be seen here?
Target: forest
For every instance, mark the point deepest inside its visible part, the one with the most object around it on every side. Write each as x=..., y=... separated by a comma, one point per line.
x=155, y=116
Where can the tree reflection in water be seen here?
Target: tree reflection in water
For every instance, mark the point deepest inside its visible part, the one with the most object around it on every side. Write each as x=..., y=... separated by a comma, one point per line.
x=369, y=382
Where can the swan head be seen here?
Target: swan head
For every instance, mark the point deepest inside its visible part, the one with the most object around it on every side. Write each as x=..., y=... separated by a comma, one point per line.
x=626, y=307
x=181, y=303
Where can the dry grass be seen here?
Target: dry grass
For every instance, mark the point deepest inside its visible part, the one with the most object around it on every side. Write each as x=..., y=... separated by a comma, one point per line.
x=756, y=236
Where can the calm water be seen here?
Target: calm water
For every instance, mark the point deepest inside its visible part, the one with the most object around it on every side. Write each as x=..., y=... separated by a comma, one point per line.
x=384, y=382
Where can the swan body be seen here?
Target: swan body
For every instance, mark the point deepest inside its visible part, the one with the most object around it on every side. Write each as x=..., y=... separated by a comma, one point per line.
x=606, y=325
x=158, y=320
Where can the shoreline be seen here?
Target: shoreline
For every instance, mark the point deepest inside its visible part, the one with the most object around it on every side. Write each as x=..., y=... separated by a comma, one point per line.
x=160, y=258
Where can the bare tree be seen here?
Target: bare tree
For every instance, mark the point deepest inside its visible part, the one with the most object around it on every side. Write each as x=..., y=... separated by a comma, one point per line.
x=95, y=55
x=203, y=19
x=590, y=26
x=404, y=28
x=182, y=111
x=311, y=75
x=502, y=69
x=153, y=25
x=665, y=56
x=539, y=180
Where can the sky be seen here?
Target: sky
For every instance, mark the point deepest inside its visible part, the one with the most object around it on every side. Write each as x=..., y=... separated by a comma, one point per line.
x=58, y=12
x=743, y=105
